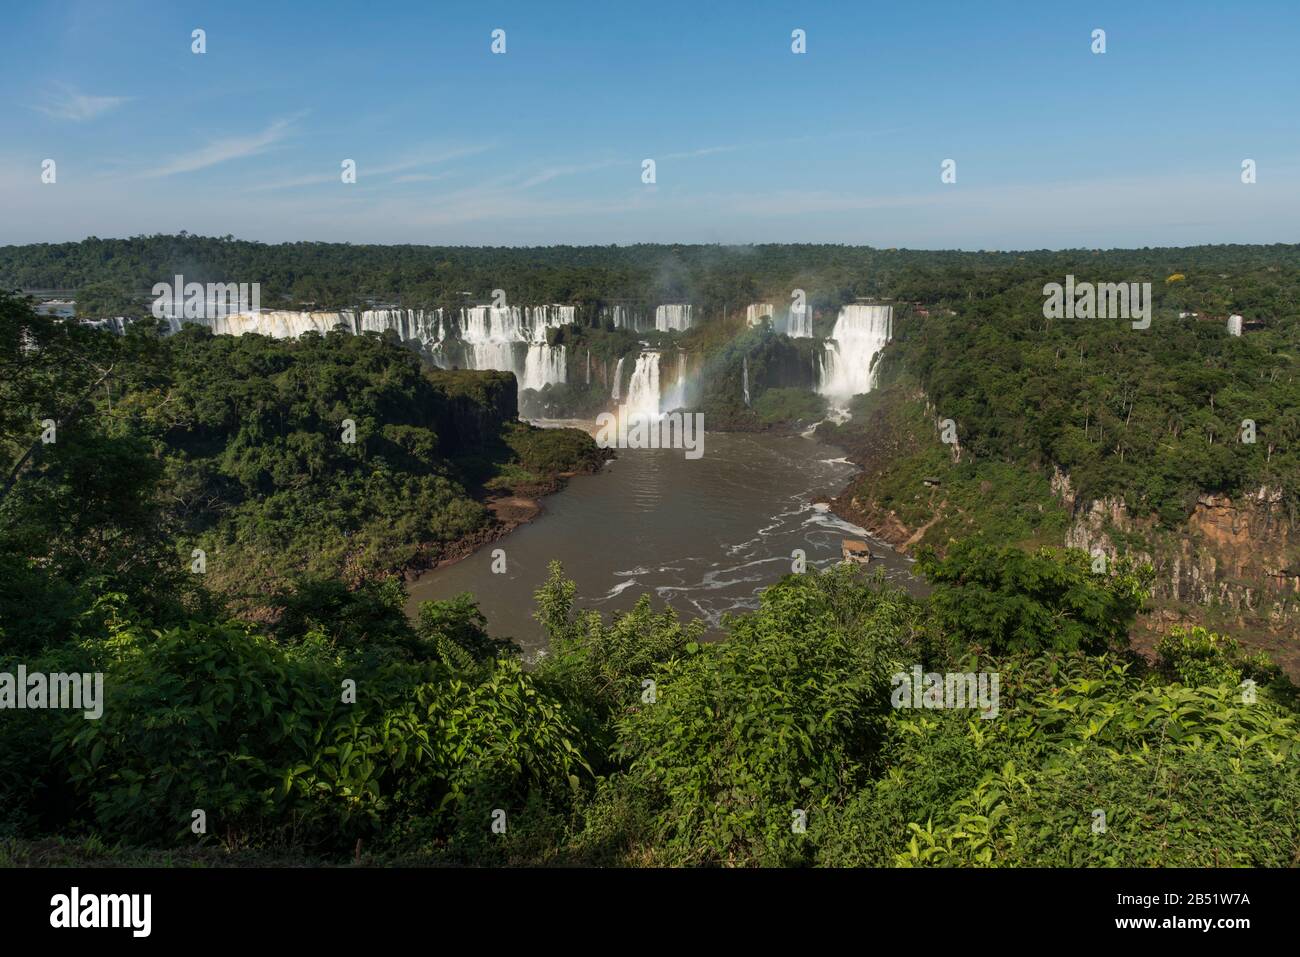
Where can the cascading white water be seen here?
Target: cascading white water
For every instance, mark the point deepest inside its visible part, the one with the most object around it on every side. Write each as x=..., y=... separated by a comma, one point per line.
x=543, y=365
x=618, y=378
x=513, y=339
x=672, y=318
x=847, y=361
x=799, y=323
x=508, y=339
x=744, y=381
x=424, y=326
x=643, y=388
x=276, y=323
x=624, y=317
x=755, y=312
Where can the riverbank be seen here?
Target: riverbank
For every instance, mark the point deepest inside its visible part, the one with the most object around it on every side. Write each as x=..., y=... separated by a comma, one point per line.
x=510, y=508
x=705, y=537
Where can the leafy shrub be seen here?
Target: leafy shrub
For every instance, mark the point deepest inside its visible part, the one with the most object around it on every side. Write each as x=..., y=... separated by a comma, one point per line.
x=1004, y=600
x=786, y=714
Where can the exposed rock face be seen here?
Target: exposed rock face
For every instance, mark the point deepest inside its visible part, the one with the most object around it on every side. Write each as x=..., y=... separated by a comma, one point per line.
x=1242, y=556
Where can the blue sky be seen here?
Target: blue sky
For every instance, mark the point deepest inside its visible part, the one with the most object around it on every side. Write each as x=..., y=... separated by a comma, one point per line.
x=1055, y=146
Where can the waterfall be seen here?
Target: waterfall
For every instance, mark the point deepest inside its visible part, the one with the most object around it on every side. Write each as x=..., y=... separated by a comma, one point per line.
x=673, y=318
x=275, y=323
x=799, y=325
x=849, y=355
x=419, y=325
x=755, y=312
x=513, y=339
x=543, y=366
x=744, y=382
x=643, y=389
x=625, y=318
x=618, y=377
x=588, y=367
x=425, y=326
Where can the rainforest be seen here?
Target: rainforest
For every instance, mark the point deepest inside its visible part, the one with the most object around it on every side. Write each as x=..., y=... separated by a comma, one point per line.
x=1094, y=553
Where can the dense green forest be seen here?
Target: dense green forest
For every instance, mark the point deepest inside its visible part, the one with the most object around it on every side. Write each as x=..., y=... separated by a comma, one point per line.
x=259, y=460
x=286, y=695
x=1259, y=282
x=1153, y=416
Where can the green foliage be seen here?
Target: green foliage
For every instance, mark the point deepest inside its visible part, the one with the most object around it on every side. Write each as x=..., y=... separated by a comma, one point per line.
x=790, y=405
x=267, y=744
x=788, y=713
x=1003, y=600
x=457, y=632
x=1196, y=656
x=910, y=476
x=235, y=445
x=605, y=668
x=1078, y=736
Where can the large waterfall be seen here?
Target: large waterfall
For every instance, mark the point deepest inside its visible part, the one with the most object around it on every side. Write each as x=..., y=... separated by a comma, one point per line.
x=847, y=362
x=672, y=318
x=643, y=388
x=513, y=339
x=423, y=325
x=507, y=339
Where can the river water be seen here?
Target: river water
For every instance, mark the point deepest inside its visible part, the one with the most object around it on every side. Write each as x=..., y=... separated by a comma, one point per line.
x=703, y=535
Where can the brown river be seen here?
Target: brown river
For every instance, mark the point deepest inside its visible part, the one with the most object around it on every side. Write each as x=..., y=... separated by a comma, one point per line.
x=703, y=535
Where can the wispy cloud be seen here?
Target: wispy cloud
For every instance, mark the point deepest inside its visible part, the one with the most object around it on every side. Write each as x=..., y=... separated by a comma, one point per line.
x=419, y=177
x=365, y=172
x=555, y=172
x=707, y=151
x=224, y=150
x=68, y=104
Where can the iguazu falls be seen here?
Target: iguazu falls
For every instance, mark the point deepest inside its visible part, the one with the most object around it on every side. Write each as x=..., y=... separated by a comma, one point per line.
x=451, y=449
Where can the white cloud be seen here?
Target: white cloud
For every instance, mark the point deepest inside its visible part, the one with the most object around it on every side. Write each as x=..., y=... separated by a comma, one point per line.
x=224, y=150
x=67, y=104
x=365, y=171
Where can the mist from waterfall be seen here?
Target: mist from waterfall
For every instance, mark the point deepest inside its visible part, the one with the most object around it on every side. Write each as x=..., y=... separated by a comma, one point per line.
x=861, y=331
x=675, y=395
